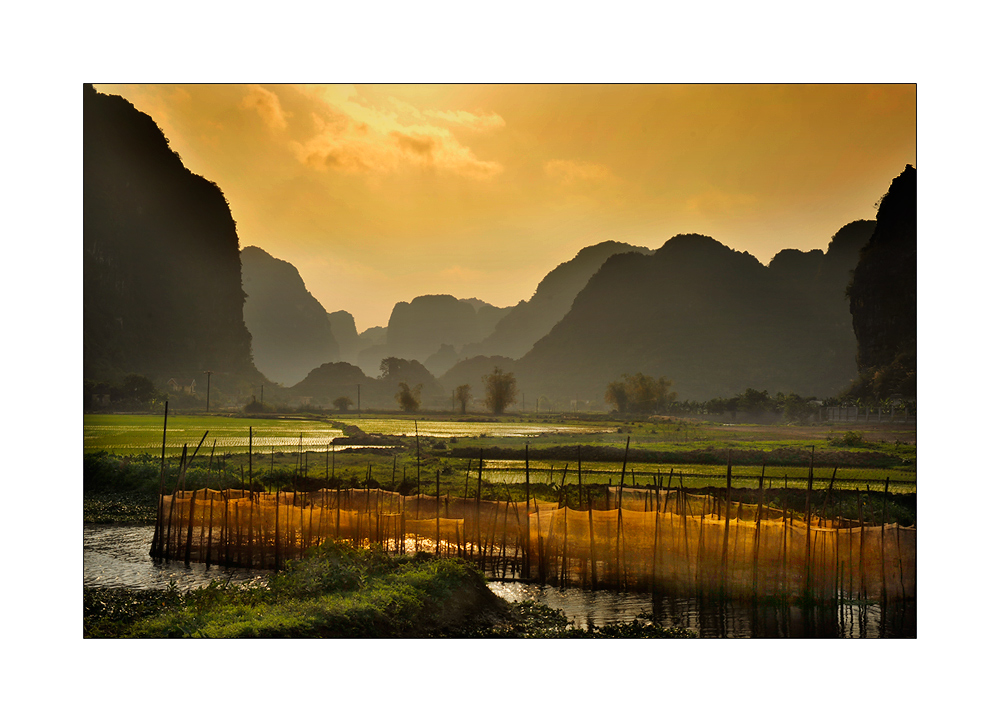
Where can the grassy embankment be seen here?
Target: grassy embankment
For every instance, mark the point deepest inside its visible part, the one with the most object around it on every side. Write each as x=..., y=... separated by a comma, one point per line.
x=339, y=592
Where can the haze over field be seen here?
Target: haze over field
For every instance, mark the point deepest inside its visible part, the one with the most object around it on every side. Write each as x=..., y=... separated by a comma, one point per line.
x=379, y=194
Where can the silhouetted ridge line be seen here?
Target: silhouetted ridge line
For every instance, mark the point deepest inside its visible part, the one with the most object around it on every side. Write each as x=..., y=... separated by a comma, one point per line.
x=162, y=286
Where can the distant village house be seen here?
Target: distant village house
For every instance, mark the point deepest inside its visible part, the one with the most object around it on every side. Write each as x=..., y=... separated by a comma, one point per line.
x=182, y=387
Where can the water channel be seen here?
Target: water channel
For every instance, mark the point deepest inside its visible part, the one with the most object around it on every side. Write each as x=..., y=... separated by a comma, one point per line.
x=118, y=556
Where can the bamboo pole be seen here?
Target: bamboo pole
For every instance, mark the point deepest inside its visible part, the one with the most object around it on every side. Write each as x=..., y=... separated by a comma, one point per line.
x=784, y=538
x=211, y=520
x=227, y=553
x=479, y=499
x=682, y=502
x=885, y=499
x=593, y=549
x=829, y=491
x=861, y=550
x=527, y=516
x=618, y=528
x=277, y=528
x=503, y=546
x=809, y=486
x=190, y=530
x=173, y=499
x=756, y=536
x=416, y=432
x=562, y=573
x=211, y=457
x=156, y=548
x=725, y=536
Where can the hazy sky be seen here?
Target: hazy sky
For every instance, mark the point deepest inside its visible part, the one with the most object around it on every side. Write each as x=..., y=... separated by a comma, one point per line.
x=378, y=194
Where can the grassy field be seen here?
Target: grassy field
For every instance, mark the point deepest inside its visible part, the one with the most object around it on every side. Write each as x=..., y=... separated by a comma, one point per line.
x=694, y=452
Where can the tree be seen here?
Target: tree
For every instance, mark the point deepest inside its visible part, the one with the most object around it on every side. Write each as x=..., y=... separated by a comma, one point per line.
x=640, y=394
x=616, y=396
x=755, y=403
x=408, y=399
x=137, y=391
x=341, y=403
x=463, y=394
x=501, y=390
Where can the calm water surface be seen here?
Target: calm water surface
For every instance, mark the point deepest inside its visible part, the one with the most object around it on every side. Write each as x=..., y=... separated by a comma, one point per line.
x=118, y=556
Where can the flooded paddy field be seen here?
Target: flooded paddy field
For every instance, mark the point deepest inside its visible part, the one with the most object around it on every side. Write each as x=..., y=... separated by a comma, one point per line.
x=133, y=433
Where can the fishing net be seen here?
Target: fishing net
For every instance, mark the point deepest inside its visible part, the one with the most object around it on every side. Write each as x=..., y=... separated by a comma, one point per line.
x=685, y=543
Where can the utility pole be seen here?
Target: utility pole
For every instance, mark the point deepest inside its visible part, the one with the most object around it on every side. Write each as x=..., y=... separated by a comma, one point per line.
x=262, y=394
x=359, y=401
x=208, y=390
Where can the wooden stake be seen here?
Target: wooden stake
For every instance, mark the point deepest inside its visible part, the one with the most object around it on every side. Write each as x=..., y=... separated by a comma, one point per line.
x=157, y=545
x=725, y=535
x=527, y=516
x=809, y=486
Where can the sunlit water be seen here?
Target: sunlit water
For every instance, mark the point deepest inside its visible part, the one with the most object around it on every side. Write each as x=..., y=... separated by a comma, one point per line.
x=118, y=556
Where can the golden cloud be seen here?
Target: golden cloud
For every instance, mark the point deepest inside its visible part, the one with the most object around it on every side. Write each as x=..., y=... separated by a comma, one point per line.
x=354, y=136
x=472, y=121
x=267, y=105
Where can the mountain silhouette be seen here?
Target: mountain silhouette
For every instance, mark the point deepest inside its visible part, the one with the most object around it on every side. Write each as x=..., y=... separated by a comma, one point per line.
x=429, y=329
x=345, y=333
x=883, y=296
x=161, y=262
x=713, y=320
x=530, y=320
x=290, y=328
x=326, y=383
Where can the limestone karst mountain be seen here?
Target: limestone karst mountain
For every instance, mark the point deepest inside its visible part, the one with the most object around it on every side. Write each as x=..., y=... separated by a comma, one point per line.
x=883, y=296
x=162, y=293
x=530, y=320
x=290, y=328
x=713, y=320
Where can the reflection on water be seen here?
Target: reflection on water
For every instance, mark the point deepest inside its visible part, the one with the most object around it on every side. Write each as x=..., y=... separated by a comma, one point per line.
x=714, y=619
x=118, y=556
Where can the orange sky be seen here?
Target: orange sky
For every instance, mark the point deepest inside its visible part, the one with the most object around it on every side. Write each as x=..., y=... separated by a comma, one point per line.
x=381, y=193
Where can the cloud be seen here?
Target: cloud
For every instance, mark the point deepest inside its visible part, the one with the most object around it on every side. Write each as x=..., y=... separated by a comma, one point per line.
x=352, y=135
x=472, y=121
x=267, y=105
x=574, y=171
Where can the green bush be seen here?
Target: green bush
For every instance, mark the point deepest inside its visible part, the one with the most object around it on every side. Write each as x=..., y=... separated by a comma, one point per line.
x=850, y=438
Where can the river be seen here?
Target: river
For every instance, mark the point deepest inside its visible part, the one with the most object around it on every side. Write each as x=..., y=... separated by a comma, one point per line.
x=118, y=556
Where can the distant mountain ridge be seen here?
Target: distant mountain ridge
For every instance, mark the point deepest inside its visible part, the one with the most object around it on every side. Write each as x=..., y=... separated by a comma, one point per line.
x=530, y=320
x=430, y=329
x=714, y=320
x=290, y=328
